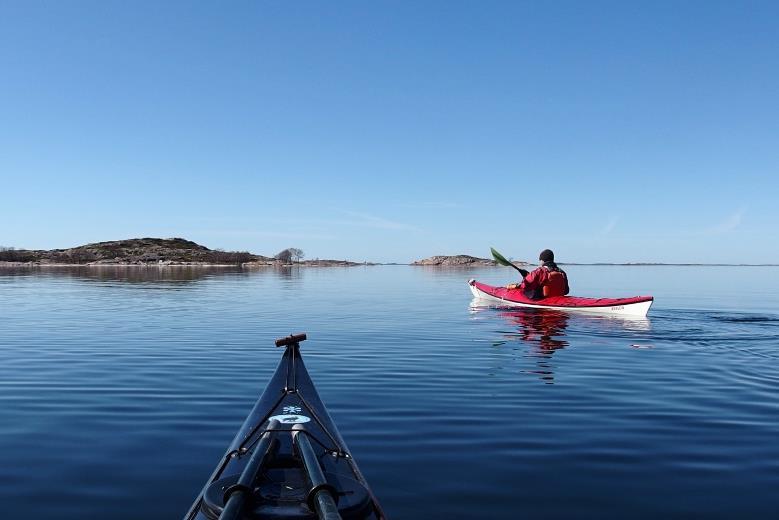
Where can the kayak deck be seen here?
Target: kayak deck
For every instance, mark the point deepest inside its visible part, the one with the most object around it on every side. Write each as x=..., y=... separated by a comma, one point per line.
x=288, y=460
x=634, y=306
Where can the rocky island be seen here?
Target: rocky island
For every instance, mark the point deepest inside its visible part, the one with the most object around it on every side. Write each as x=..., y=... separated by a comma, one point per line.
x=460, y=261
x=156, y=251
x=455, y=260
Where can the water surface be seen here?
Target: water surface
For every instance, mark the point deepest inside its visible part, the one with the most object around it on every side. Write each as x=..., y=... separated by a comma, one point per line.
x=120, y=389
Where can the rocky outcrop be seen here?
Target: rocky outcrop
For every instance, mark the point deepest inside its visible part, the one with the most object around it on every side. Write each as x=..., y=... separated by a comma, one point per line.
x=135, y=251
x=456, y=260
x=151, y=251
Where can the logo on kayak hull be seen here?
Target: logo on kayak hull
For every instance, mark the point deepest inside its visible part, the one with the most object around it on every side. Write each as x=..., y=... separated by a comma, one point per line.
x=290, y=419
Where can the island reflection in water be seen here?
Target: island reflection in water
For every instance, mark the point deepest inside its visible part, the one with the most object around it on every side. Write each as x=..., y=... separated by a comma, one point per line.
x=146, y=274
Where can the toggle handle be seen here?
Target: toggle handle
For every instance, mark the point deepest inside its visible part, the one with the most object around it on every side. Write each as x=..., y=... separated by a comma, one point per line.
x=291, y=339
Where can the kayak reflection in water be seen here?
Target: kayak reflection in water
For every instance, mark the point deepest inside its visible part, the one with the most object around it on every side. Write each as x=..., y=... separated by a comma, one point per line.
x=541, y=327
x=545, y=281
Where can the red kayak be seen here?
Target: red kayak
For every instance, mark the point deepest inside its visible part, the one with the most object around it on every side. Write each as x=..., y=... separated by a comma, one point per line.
x=634, y=306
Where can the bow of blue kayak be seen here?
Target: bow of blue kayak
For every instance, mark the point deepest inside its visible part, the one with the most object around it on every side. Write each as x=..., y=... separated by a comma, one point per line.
x=288, y=460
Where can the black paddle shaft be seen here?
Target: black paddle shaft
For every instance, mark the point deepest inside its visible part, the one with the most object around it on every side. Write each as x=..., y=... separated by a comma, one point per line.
x=291, y=339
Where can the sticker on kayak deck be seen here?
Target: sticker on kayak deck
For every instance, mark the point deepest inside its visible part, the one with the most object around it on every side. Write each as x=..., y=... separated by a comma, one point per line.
x=290, y=419
x=292, y=409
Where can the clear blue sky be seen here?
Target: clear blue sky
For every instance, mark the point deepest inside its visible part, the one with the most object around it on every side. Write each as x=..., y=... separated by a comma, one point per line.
x=391, y=131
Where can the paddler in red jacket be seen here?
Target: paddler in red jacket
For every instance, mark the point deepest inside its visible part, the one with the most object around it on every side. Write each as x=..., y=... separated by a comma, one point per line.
x=546, y=281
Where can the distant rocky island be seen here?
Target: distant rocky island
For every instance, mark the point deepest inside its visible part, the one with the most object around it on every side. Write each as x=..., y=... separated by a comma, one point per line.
x=157, y=251
x=458, y=261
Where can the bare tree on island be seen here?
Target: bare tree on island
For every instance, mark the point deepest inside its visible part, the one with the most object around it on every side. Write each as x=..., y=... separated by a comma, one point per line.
x=285, y=256
x=289, y=255
x=297, y=254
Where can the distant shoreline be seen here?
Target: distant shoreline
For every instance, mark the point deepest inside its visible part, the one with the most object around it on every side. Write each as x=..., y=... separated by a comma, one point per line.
x=179, y=252
x=247, y=265
x=472, y=261
x=341, y=263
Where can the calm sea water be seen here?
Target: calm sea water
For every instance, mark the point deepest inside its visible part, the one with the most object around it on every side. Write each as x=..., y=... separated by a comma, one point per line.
x=120, y=389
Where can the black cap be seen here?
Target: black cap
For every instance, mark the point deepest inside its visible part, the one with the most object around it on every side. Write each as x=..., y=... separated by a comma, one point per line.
x=546, y=256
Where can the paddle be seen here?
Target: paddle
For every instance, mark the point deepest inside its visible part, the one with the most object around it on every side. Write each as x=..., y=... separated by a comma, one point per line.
x=502, y=261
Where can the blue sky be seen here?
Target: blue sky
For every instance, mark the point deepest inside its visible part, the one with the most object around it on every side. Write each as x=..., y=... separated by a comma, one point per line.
x=391, y=131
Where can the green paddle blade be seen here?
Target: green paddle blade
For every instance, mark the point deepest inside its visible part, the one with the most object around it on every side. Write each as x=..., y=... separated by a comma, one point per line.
x=502, y=261
x=500, y=258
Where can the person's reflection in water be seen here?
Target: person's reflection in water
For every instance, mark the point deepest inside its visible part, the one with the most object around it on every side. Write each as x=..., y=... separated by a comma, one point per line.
x=544, y=330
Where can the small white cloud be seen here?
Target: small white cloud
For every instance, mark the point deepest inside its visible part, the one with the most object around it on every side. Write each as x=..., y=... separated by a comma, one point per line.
x=729, y=224
x=610, y=225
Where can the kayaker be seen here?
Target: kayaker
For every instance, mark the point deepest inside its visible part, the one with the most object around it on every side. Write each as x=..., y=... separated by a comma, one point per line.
x=545, y=281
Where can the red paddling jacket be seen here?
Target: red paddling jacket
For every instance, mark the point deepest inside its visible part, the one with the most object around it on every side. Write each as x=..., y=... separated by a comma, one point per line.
x=545, y=282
